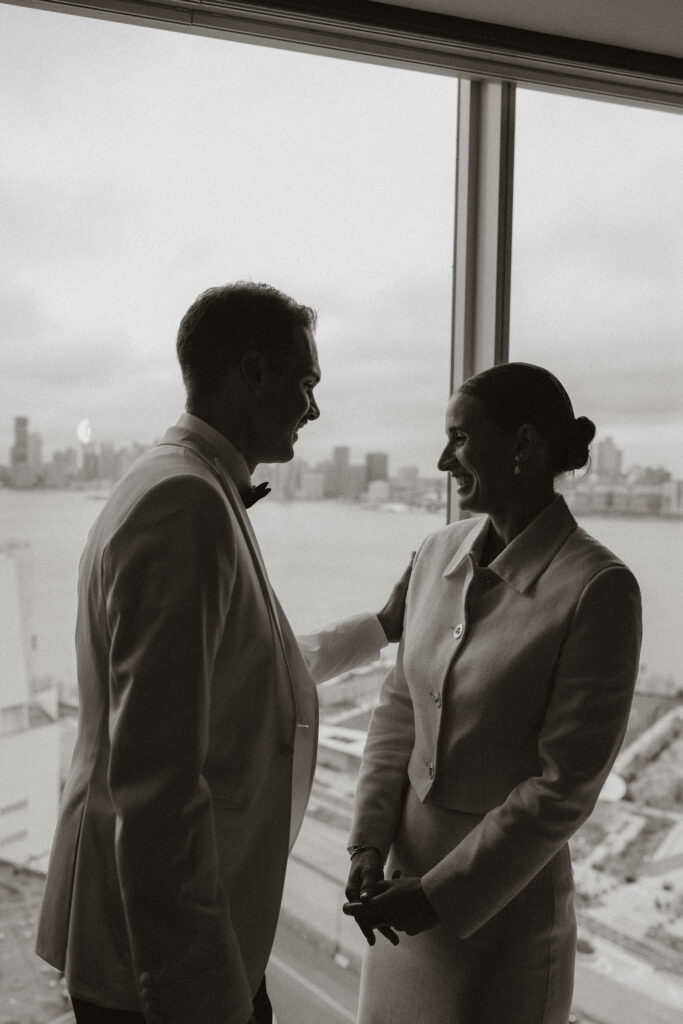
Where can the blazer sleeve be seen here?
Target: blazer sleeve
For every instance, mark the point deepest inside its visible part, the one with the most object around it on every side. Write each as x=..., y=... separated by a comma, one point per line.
x=383, y=776
x=579, y=739
x=167, y=576
x=342, y=646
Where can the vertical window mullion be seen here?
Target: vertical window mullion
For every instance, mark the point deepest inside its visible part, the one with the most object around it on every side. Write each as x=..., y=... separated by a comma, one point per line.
x=483, y=228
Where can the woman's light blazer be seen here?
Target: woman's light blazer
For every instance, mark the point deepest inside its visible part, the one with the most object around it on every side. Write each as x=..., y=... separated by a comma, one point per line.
x=509, y=699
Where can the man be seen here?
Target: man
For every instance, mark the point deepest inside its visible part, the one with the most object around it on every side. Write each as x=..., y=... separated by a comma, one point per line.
x=198, y=715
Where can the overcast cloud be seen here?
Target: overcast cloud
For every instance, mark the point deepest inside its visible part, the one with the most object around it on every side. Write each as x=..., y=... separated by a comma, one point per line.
x=139, y=167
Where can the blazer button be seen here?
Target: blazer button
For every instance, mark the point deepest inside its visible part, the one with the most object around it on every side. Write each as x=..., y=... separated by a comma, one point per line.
x=458, y=631
x=436, y=698
x=430, y=770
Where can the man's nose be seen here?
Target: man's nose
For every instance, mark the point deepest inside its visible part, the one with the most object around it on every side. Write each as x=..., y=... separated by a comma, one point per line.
x=313, y=410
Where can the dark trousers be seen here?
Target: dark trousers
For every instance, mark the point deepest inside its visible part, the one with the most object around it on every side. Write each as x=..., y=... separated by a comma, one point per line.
x=263, y=1011
x=90, y=1013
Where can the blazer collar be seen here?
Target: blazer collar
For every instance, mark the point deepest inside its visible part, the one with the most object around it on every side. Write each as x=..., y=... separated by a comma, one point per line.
x=471, y=543
x=527, y=556
x=531, y=552
x=196, y=433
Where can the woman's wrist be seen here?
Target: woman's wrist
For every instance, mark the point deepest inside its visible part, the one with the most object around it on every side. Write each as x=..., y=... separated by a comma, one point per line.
x=355, y=850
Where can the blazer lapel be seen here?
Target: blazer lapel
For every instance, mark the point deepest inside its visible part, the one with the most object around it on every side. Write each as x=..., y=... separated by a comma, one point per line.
x=203, y=451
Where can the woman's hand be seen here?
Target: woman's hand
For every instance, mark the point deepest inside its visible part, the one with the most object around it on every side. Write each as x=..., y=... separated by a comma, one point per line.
x=399, y=903
x=391, y=616
x=367, y=872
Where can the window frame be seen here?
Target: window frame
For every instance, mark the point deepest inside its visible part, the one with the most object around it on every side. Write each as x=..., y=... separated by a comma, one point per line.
x=490, y=60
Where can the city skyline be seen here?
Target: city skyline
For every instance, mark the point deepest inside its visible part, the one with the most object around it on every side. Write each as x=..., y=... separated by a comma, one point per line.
x=112, y=227
x=599, y=444
x=605, y=487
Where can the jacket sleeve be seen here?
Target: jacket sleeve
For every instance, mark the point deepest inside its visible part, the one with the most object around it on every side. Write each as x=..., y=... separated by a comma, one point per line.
x=579, y=739
x=167, y=575
x=342, y=646
x=383, y=776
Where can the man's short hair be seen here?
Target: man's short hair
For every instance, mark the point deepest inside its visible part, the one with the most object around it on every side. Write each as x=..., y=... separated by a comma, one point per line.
x=226, y=321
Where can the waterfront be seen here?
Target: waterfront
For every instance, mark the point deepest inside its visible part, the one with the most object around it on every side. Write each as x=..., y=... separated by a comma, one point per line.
x=325, y=559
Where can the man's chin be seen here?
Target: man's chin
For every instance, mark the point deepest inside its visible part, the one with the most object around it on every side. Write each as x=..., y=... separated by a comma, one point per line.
x=283, y=454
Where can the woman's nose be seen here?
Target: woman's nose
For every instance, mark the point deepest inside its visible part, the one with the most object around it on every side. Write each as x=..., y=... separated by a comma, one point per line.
x=445, y=459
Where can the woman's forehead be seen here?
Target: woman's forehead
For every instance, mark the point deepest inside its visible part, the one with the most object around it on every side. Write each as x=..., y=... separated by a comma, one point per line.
x=463, y=408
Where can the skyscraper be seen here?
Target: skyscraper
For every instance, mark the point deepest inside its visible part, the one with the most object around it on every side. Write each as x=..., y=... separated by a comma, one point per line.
x=19, y=453
x=608, y=459
x=340, y=457
x=376, y=466
x=25, y=455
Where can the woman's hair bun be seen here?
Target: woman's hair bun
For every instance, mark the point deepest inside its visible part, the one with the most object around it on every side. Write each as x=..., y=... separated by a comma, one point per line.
x=580, y=436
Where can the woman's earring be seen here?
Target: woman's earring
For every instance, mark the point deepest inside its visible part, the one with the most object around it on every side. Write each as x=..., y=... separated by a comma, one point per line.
x=518, y=468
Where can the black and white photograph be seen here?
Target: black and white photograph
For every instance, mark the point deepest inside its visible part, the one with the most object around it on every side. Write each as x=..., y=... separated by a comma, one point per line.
x=341, y=512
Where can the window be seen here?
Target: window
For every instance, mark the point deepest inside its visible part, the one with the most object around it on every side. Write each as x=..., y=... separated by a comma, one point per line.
x=130, y=185
x=597, y=265
x=127, y=190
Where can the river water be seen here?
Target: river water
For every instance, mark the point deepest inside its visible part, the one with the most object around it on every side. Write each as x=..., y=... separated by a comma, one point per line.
x=325, y=559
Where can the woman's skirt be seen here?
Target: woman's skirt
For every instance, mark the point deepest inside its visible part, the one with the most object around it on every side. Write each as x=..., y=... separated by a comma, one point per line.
x=518, y=968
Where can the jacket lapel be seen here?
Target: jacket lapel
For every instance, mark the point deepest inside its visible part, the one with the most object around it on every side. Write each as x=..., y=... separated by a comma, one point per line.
x=196, y=444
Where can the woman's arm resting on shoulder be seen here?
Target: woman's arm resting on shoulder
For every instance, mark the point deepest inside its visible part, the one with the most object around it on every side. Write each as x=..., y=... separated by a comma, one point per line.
x=579, y=739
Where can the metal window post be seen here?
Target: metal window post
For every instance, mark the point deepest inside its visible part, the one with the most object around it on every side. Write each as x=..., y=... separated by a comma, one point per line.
x=483, y=228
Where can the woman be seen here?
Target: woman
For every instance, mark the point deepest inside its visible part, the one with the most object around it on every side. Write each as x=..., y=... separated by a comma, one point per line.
x=496, y=730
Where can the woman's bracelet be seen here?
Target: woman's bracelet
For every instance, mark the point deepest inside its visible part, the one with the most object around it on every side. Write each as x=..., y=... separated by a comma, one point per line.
x=353, y=850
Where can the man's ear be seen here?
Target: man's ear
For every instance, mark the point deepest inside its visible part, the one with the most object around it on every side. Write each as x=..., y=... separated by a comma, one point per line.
x=253, y=366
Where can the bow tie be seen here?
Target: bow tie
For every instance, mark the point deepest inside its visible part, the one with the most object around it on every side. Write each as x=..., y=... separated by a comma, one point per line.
x=255, y=494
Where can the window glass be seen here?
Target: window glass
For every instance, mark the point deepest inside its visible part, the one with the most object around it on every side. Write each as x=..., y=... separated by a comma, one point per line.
x=137, y=168
x=596, y=297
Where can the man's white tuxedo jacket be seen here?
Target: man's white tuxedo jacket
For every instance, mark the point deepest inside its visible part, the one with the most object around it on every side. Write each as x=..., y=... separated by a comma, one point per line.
x=196, y=746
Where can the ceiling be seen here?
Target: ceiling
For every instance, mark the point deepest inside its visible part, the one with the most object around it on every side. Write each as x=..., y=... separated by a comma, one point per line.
x=652, y=25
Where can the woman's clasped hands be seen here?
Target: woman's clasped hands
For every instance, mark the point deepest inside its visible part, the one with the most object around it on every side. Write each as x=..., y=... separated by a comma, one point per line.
x=386, y=905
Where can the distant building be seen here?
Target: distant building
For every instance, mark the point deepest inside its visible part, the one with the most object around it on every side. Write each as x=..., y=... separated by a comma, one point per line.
x=19, y=452
x=25, y=455
x=90, y=463
x=377, y=466
x=608, y=459
x=672, y=498
x=332, y=486
x=29, y=740
x=35, y=451
x=354, y=483
x=341, y=457
x=600, y=497
x=649, y=475
x=405, y=486
x=312, y=485
x=62, y=468
x=109, y=462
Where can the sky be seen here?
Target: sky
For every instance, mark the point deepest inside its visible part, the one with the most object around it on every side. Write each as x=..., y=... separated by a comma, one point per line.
x=140, y=166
